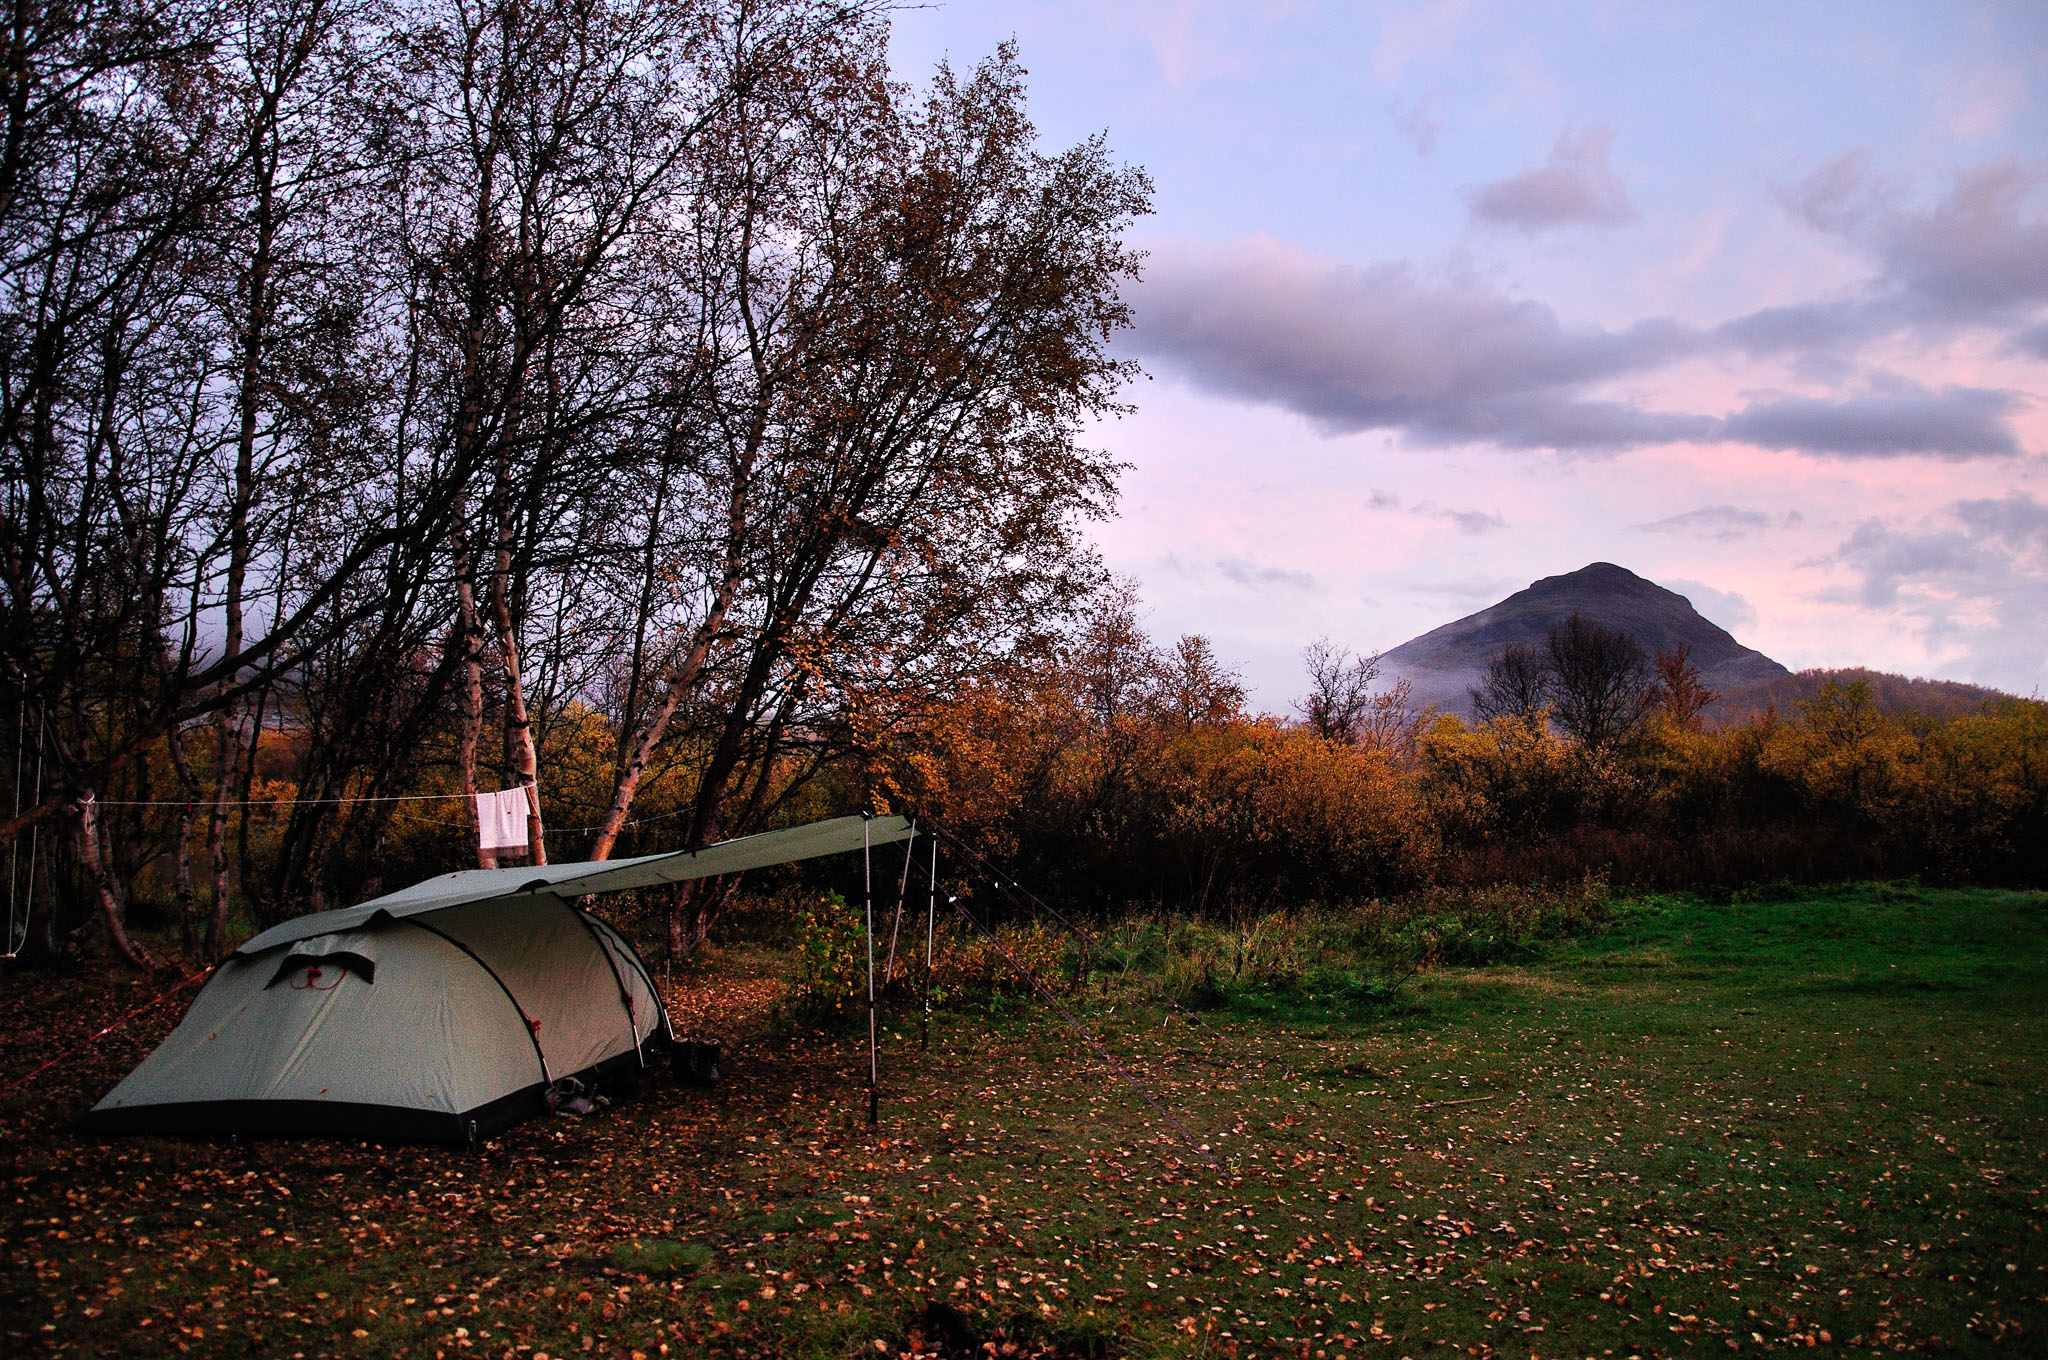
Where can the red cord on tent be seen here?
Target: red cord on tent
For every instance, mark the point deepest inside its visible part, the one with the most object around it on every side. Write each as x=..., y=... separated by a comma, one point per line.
x=103, y=1033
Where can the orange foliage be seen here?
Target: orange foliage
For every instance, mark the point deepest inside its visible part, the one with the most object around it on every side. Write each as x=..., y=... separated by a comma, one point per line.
x=1141, y=808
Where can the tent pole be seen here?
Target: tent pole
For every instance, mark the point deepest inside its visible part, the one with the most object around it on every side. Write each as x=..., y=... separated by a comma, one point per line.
x=874, y=1060
x=931, y=910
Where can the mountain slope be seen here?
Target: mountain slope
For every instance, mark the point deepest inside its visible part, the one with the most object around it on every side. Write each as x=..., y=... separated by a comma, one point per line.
x=1444, y=663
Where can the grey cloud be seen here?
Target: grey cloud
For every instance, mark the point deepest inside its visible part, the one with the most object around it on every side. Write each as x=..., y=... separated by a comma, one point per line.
x=1978, y=255
x=2033, y=340
x=1382, y=348
x=1954, y=423
x=1549, y=420
x=1973, y=577
x=1465, y=521
x=1473, y=521
x=1732, y=611
x=1252, y=576
x=1239, y=571
x=1890, y=559
x=1576, y=187
x=1722, y=523
x=1420, y=122
x=1809, y=326
x=1837, y=197
x=1447, y=360
x=2018, y=520
x=1977, y=252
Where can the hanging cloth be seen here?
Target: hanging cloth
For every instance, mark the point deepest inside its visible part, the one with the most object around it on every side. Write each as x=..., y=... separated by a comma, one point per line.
x=501, y=819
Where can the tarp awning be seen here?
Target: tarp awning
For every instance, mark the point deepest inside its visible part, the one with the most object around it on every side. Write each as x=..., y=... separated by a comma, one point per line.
x=565, y=881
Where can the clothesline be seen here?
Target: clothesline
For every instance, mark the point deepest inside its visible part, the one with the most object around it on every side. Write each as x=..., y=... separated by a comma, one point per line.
x=384, y=798
x=266, y=802
x=375, y=798
x=417, y=820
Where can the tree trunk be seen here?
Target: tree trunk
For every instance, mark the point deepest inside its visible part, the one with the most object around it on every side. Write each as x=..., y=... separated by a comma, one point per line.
x=693, y=909
x=227, y=721
x=520, y=752
x=227, y=755
x=245, y=861
x=187, y=897
x=678, y=913
x=39, y=851
x=471, y=642
x=656, y=727
x=93, y=862
x=696, y=909
x=691, y=666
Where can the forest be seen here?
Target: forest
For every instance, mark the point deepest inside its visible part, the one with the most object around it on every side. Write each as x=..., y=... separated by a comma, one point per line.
x=405, y=396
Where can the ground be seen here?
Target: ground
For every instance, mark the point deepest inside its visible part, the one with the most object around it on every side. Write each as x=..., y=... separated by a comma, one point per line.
x=1810, y=1122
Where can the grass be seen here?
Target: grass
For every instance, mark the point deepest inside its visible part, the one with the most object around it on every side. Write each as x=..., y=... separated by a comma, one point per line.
x=1810, y=1121
x=661, y=1257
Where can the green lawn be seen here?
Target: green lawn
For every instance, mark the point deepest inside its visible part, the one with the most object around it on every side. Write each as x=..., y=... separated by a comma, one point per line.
x=1810, y=1122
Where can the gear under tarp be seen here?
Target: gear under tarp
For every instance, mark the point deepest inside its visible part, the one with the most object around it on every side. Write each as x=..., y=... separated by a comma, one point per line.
x=444, y=1010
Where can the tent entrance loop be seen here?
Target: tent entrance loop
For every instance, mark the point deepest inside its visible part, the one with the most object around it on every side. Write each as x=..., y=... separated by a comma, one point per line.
x=322, y=971
x=326, y=961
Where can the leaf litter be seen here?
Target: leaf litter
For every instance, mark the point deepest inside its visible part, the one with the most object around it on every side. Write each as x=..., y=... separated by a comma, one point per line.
x=1629, y=1166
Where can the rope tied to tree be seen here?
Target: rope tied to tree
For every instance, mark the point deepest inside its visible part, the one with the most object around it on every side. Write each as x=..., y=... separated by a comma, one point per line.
x=102, y=1033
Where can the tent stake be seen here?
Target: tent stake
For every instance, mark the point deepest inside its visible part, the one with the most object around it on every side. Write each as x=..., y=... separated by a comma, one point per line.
x=874, y=1060
x=931, y=910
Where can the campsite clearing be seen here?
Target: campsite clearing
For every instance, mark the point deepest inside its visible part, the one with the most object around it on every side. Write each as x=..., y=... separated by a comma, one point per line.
x=1815, y=1120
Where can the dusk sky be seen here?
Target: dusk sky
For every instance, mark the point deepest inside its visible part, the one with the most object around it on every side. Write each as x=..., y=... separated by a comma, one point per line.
x=1445, y=297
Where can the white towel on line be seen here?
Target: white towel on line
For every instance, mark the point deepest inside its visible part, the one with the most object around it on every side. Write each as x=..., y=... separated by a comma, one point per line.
x=501, y=819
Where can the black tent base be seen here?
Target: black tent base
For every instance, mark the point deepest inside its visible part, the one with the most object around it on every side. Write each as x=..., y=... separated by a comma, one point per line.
x=349, y=1119
x=330, y=1118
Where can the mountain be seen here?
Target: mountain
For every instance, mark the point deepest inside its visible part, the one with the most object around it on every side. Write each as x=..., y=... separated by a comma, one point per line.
x=1445, y=663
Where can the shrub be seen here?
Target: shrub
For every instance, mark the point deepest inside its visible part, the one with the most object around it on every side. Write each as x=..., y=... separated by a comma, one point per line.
x=1194, y=976
x=831, y=954
x=971, y=968
x=1436, y=941
x=1360, y=989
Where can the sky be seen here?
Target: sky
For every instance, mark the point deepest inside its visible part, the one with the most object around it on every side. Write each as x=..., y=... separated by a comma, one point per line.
x=1442, y=298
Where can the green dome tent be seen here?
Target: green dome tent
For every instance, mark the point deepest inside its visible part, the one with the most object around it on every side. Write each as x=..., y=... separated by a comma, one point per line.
x=445, y=1010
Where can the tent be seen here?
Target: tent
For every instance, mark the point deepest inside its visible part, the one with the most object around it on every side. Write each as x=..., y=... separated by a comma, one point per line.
x=448, y=1009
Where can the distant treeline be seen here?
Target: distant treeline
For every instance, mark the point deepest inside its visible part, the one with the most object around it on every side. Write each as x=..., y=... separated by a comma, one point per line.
x=1132, y=776
x=1891, y=693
